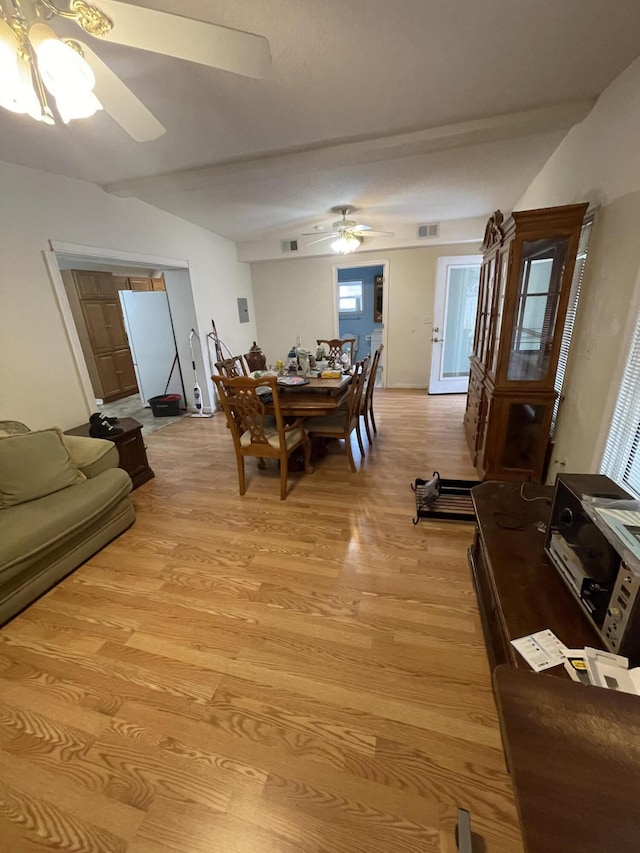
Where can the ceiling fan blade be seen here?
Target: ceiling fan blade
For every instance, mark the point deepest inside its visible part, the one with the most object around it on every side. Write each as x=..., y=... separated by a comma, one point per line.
x=120, y=102
x=327, y=237
x=369, y=232
x=186, y=38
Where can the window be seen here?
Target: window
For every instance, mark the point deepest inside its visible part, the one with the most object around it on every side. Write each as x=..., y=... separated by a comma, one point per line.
x=350, y=297
x=621, y=459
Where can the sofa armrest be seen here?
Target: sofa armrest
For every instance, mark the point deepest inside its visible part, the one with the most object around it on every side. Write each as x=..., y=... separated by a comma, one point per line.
x=92, y=456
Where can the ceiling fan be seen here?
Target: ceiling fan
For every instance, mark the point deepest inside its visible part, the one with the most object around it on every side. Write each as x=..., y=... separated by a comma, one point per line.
x=35, y=61
x=347, y=234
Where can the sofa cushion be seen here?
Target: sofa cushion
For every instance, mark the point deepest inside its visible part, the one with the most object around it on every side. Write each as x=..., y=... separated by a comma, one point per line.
x=12, y=428
x=36, y=526
x=92, y=456
x=33, y=465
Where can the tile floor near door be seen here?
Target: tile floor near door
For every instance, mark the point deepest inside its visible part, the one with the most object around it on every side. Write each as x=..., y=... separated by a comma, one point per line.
x=249, y=675
x=131, y=407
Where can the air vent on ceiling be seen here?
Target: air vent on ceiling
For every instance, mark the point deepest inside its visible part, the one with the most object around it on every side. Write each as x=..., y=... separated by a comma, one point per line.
x=430, y=230
x=289, y=246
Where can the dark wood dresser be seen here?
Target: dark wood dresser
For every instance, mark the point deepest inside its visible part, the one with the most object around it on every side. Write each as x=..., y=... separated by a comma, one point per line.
x=574, y=756
x=519, y=590
x=573, y=751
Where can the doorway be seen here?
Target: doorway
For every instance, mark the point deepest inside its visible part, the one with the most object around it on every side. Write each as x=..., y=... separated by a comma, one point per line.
x=361, y=297
x=454, y=319
x=161, y=279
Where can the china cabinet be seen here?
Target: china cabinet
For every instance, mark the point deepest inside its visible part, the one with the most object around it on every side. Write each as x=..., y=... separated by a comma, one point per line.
x=525, y=281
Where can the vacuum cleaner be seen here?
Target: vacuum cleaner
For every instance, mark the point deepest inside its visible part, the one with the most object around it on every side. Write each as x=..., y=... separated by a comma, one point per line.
x=197, y=391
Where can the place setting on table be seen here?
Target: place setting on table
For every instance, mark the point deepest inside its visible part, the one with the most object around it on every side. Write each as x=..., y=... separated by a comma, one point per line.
x=309, y=383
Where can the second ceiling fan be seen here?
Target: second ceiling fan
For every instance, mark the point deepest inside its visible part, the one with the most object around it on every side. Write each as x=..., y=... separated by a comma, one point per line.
x=347, y=234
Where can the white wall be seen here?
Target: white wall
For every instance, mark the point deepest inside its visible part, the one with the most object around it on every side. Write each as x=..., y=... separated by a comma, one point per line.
x=296, y=297
x=598, y=161
x=39, y=383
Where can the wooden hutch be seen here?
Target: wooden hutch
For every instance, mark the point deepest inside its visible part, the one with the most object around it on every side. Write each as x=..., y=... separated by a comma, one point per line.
x=525, y=281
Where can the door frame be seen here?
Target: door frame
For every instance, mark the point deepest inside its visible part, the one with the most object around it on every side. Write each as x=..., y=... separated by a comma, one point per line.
x=385, y=301
x=439, y=303
x=94, y=254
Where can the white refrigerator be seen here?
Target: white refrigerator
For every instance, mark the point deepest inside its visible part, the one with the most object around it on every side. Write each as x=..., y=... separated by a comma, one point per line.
x=152, y=342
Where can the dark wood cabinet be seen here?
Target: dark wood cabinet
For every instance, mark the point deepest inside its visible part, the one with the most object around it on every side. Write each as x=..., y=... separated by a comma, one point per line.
x=525, y=281
x=131, y=449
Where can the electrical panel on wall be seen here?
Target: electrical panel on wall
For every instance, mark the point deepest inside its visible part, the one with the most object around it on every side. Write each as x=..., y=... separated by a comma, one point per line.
x=243, y=309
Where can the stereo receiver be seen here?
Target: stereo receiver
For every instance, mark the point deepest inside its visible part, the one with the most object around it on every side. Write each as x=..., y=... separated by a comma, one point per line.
x=595, y=572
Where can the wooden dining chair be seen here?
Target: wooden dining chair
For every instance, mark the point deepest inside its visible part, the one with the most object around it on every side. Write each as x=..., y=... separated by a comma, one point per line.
x=366, y=401
x=342, y=424
x=231, y=367
x=336, y=347
x=254, y=432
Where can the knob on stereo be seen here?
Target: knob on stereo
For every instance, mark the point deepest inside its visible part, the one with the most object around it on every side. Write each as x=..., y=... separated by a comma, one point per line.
x=614, y=612
x=566, y=516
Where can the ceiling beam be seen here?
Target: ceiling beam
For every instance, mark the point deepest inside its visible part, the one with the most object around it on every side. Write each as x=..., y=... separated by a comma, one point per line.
x=348, y=153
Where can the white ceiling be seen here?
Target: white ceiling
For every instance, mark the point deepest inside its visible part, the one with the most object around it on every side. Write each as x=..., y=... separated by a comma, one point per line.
x=403, y=109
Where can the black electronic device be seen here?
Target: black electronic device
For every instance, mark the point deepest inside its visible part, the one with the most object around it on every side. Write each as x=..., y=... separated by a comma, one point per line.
x=592, y=568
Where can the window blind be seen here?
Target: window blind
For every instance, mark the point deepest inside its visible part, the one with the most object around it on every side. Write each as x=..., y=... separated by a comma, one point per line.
x=621, y=460
x=570, y=317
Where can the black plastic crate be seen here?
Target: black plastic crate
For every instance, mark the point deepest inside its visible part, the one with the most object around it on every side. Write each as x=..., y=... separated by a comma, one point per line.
x=453, y=504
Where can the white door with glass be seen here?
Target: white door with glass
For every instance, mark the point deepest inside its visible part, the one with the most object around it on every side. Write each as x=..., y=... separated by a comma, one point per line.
x=454, y=320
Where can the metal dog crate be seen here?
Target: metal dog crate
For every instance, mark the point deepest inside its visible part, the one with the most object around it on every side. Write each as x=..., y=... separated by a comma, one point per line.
x=453, y=504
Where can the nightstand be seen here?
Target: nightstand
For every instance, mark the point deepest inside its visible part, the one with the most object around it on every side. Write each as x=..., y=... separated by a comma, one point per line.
x=131, y=449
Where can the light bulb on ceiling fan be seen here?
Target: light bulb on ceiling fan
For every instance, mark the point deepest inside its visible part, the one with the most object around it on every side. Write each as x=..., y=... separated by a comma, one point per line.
x=16, y=89
x=65, y=73
x=345, y=244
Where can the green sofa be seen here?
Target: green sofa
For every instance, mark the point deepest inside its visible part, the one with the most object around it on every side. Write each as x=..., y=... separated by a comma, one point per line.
x=62, y=499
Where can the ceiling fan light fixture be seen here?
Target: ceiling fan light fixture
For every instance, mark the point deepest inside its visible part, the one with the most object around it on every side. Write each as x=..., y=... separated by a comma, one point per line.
x=346, y=243
x=13, y=94
x=63, y=69
x=77, y=105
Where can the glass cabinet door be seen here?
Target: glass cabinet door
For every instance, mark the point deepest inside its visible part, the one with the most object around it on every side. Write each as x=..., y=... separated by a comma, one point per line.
x=536, y=308
x=503, y=266
x=483, y=320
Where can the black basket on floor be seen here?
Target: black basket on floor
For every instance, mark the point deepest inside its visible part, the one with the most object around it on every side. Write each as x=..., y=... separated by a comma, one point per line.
x=453, y=503
x=165, y=405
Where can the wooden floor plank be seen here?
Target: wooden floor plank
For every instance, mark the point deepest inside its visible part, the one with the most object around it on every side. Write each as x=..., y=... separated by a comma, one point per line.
x=244, y=673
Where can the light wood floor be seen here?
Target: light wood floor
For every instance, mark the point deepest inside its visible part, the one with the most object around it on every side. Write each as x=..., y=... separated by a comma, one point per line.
x=245, y=675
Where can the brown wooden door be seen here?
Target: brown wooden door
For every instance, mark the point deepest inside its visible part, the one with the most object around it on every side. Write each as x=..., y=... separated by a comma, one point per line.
x=158, y=284
x=109, y=377
x=115, y=325
x=141, y=283
x=97, y=325
x=121, y=282
x=125, y=371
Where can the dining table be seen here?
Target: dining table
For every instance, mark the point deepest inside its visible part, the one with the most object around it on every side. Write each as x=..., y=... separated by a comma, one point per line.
x=316, y=398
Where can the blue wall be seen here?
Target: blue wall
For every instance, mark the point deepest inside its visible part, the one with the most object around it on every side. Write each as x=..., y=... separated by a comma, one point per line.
x=361, y=324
